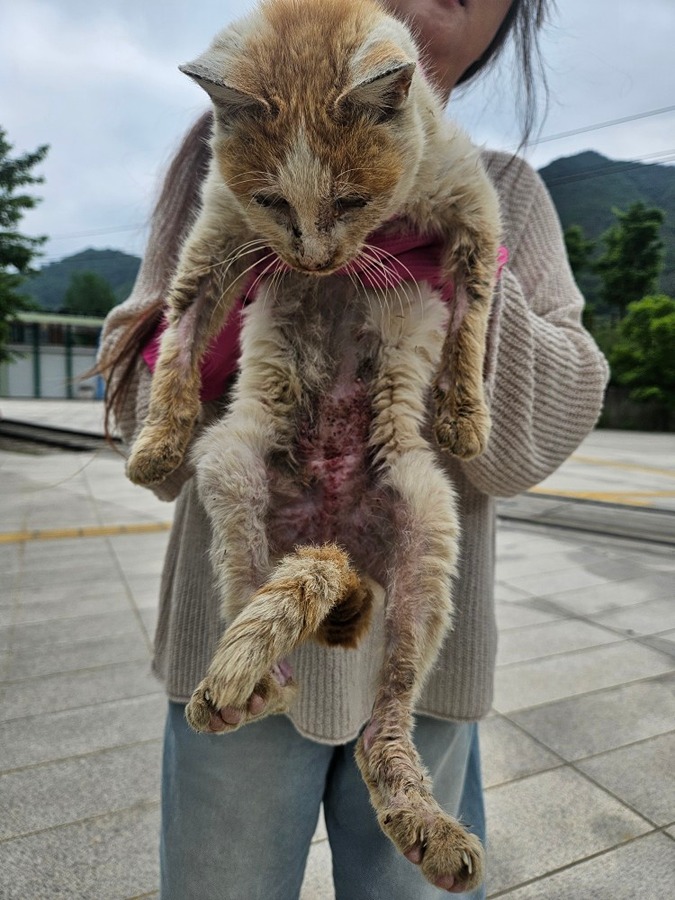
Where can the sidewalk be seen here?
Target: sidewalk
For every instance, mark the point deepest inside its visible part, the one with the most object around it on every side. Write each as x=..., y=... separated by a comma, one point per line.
x=578, y=752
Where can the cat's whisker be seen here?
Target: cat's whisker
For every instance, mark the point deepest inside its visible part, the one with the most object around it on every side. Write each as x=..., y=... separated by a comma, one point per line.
x=361, y=288
x=387, y=255
x=259, y=277
x=245, y=272
x=224, y=264
x=398, y=287
x=383, y=277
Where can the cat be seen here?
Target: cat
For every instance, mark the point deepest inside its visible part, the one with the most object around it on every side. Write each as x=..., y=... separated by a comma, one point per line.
x=324, y=477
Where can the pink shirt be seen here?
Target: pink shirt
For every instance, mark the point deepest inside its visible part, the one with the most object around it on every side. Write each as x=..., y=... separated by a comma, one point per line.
x=406, y=257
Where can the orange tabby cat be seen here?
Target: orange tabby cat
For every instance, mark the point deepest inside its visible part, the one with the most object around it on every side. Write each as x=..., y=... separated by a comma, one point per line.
x=323, y=482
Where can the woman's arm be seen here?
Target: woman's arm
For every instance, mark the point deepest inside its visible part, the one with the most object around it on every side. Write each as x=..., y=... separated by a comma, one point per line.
x=546, y=377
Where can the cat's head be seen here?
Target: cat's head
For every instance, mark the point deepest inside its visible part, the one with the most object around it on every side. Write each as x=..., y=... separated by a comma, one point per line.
x=317, y=133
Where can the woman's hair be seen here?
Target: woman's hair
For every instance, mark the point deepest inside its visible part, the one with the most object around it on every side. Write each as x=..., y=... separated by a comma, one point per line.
x=522, y=24
x=178, y=201
x=174, y=212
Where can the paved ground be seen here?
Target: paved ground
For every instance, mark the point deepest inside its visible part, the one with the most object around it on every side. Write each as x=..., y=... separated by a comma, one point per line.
x=578, y=753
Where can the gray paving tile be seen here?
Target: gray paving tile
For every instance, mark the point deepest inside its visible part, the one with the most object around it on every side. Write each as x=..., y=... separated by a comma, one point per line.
x=72, y=690
x=93, y=587
x=643, y=868
x=505, y=593
x=518, y=615
x=10, y=557
x=642, y=775
x=533, y=563
x=149, y=616
x=80, y=788
x=550, y=638
x=507, y=753
x=59, y=555
x=646, y=618
x=544, y=680
x=77, y=578
x=551, y=820
x=516, y=541
x=79, y=655
x=114, y=600
x=47, y=738
x=541, y=584
x=588, y=601
x=34, y=636
x=64, y=511
x=144, y=588
x=102, y=859
x=136, y=555
x=591, y=724
x=318, y=882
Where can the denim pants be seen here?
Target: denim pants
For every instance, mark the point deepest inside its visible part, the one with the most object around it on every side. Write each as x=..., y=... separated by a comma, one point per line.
x=239, y=811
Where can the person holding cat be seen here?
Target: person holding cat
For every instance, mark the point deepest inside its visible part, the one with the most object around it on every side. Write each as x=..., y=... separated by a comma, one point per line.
x=238, y=813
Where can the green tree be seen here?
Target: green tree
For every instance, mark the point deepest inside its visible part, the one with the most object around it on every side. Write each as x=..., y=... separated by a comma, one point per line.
x=88, y=294
x=579, y=249
x=579, y=252
x=643, y=357
x=17, y=251
x=633, y=257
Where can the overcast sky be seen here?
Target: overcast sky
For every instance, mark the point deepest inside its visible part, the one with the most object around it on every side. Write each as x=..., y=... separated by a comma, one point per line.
x=98, y=82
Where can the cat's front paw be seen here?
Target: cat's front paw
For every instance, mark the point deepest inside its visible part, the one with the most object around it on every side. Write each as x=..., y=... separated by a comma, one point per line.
x=157, y=453
x=212, y=709
x=464, y=431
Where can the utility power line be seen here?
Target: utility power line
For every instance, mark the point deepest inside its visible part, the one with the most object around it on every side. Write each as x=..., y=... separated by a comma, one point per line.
x=598, y=125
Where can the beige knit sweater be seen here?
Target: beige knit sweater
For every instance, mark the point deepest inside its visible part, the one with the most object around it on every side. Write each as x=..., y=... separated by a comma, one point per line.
x=545, y=383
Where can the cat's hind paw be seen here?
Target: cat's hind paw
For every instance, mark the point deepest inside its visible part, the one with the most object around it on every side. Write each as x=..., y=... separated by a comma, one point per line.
x=211, y=711
x=449, y=856
x=464, y=432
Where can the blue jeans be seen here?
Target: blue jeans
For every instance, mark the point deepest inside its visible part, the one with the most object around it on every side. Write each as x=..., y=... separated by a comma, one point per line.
x=239, y=812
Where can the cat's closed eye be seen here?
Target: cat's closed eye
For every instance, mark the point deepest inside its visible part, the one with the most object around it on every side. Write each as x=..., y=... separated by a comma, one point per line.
x=344, y=205
x=273, y=201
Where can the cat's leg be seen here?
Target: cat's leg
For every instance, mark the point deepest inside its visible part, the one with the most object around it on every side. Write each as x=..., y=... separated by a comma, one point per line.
x=312, y=592
x=417, y=615
x=202, y=293
x=462, y=423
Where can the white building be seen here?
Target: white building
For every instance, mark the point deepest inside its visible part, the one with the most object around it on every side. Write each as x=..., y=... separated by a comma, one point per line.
x=50, y=355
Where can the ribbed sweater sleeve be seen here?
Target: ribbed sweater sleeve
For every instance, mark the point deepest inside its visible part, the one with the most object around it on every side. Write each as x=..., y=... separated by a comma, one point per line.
x=546, y=377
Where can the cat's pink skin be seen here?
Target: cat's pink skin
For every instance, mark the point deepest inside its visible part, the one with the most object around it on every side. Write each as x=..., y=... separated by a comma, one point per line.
x=334, y=494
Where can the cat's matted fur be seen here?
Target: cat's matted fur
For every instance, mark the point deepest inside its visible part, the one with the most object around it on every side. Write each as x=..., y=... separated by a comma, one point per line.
x=324, y=476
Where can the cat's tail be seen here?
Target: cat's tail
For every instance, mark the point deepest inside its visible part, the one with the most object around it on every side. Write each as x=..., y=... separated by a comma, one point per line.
x=313, y=592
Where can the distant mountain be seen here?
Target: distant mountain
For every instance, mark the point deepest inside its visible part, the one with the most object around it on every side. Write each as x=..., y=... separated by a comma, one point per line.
x=586, y=187
x=49, y=286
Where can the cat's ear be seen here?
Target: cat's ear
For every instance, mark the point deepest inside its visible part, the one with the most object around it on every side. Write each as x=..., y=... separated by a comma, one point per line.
x=228, y=100
x=382, y=90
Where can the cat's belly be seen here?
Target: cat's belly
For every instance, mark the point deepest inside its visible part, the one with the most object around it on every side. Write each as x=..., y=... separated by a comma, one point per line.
x=332, y=493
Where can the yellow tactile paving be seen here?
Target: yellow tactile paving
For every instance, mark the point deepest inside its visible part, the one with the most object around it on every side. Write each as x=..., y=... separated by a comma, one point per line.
x=51, y=534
